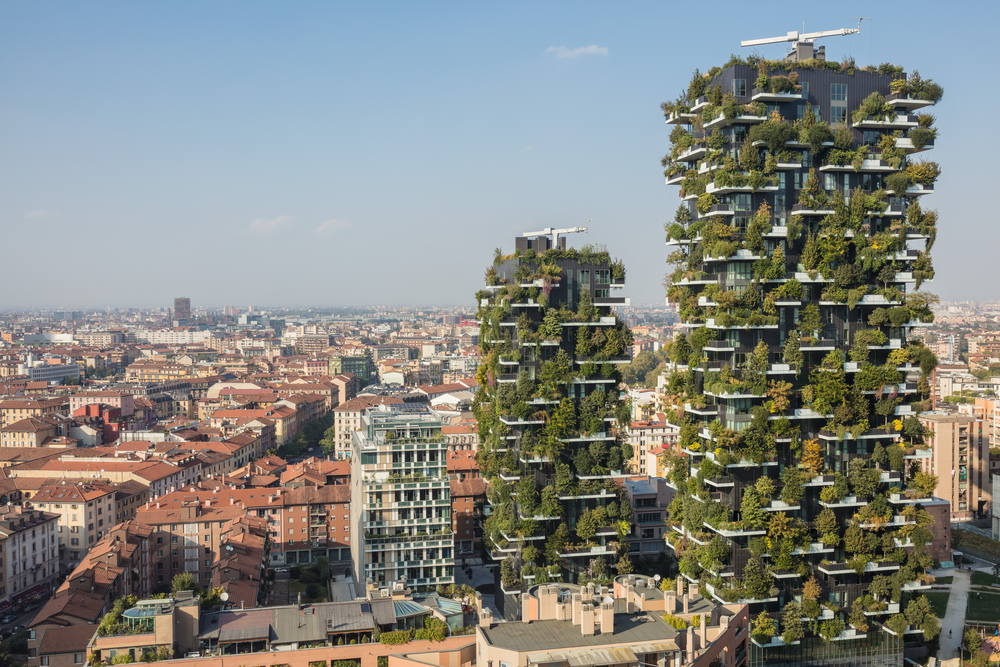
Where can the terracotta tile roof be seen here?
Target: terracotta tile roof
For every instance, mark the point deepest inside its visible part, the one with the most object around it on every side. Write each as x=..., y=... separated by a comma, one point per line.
x=462, y=461
x=474, y=486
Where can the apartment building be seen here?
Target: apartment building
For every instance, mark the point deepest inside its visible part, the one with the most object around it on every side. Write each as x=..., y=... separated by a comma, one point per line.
x=121, y=400
x=960, y=459
x=185, y=533
x=13, y=410
x=30, y=432
x=468, y=497
x=649, y=497
x=159, y=476
x=401, y=497
x=646, y=434
x=347, y=420
x=86, y=511
x=117, y=566
x=28, y=539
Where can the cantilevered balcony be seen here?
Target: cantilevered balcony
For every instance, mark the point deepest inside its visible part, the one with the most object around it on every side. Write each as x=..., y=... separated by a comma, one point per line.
x=894, y=122
x=907, y=102
x=680, y=118
x=758, y=95
x=916, y=189
x=906, y=144
x=866, y=166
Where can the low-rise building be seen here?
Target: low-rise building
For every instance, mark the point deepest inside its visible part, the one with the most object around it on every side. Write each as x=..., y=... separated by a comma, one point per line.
x=570, y=625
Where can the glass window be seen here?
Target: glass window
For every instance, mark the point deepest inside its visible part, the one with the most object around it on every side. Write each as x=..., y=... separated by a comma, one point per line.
x=805, y=88
x=838, y=92
x=739, y=87
x=838, y=113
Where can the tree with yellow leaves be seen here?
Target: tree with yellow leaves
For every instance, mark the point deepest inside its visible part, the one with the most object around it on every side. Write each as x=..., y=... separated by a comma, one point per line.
x=812, y=456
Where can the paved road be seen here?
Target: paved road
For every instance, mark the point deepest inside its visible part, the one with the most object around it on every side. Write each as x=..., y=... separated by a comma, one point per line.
x=954, y=618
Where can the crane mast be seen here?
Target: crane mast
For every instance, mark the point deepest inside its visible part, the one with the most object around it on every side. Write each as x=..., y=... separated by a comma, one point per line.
x=554, y=233
x=799, y=39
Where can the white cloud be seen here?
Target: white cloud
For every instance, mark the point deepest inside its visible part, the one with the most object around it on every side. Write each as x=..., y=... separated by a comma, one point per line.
x=38, y=215
x=332, y=226
x=265, y=225
x=592, y=50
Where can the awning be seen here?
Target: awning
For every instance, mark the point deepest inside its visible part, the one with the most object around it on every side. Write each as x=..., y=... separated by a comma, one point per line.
x=34, y=591
x=586, y=657
x=4, y=606
x=659, y=647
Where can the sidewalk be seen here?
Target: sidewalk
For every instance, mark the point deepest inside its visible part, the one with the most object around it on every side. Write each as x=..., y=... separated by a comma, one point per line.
x=954, y=619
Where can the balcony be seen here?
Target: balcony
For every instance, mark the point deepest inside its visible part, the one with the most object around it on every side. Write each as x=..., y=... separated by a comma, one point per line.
x=803, y=209
x=758, y=95
x=725, y=189
x=722, y=121
x=734, y=530
x=917, y=189
x=845, y=568
x=866, y=166
x=680, y=118
x=901, y=122
x=906, y=144
x=718, y=209
x=907, y=102
x=847, y=501
x=920, y=454
x=612, y=301
x=692, y=154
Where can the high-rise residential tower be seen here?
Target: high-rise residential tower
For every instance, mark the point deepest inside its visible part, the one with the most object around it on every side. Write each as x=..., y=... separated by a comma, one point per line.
x=546, y=406
x=182, y=308
x=798, y=252
x=401, y=498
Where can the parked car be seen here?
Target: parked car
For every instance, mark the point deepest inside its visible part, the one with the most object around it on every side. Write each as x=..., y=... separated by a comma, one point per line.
x=9, y=618
x=30, y=607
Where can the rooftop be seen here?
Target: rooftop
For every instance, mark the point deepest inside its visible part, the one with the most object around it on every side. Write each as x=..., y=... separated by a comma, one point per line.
x=643, y=628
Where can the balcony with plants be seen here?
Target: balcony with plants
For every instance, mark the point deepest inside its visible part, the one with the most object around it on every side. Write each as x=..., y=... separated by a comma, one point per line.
x=775, y=398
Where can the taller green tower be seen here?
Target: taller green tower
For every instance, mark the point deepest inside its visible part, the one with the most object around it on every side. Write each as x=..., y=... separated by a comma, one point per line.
x=798, y=253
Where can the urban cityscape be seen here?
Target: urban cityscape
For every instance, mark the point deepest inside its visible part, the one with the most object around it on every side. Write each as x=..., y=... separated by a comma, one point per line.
x=784, y=451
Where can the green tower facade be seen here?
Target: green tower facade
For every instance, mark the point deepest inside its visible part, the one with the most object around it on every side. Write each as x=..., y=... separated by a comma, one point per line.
x=797, y=257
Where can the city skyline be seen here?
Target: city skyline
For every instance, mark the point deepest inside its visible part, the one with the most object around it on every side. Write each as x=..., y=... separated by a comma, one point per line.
x=146, y=136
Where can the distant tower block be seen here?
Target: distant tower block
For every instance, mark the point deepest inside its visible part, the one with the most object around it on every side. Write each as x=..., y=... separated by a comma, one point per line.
x=182, y=308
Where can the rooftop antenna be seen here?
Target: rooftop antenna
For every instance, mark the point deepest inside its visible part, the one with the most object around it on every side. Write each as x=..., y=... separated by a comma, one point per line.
x=804, y=37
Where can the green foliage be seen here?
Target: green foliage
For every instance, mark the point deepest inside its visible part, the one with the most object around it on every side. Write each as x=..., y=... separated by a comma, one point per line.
x=183, y=581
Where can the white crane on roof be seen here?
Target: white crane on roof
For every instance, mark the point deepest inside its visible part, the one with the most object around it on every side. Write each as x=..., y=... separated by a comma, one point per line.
x=554, y=233
x=796, y=36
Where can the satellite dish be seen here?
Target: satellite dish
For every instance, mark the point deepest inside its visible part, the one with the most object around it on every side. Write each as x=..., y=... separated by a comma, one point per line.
x=656, y=578
x=224, y=597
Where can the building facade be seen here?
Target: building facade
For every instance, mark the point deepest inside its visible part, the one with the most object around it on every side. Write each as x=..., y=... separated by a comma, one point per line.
x=548, y=401
x=796, y=258
x=961, y=461
x=401, y=498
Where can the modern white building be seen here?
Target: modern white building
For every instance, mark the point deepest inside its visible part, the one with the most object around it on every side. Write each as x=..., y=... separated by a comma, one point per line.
x=401, y=498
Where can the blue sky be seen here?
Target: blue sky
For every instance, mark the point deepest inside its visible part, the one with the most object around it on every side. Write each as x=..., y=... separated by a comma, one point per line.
x=375, y=153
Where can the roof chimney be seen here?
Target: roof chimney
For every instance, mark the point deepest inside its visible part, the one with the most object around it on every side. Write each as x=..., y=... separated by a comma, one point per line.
x=587, y=619
x=703, y=631
x=577, y=602
x=607, y=618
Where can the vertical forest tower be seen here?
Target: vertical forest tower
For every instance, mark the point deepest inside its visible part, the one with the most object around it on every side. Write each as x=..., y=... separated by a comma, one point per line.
x=546, y=409
x=797, y=256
